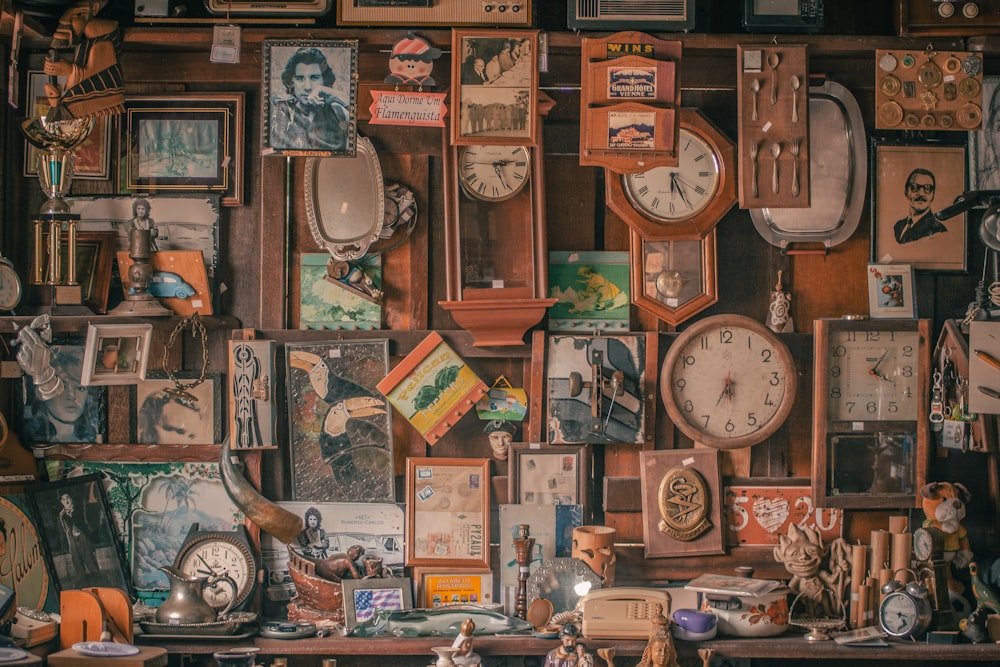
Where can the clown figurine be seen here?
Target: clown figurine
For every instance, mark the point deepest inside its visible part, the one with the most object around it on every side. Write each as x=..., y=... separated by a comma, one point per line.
x=412, y=61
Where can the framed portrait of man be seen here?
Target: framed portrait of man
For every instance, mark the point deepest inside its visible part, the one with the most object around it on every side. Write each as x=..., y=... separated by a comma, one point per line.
x=310, y=105
x=911, y=183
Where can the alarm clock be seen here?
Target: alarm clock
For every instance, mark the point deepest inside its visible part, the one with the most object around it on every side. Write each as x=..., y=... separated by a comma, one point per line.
x=905, y=611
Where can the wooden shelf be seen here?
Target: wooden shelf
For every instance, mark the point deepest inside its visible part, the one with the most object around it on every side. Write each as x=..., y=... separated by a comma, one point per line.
x=792, y=647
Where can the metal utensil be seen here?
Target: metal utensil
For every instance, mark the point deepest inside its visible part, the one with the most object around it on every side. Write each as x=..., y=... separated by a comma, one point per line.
x=795, y=83
x=753, y=166
x=775, y=153
x=754, y=88
x=773, y=59
x=794, y=150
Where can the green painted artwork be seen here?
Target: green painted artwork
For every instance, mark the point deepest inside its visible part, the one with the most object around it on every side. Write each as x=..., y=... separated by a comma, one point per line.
x=352, y=300
x=591, y=291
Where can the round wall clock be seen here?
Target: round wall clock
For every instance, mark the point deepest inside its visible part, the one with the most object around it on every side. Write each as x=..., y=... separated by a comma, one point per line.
x=728, y=382
x=219, y=553
x=685, y=201
x=10, y=285
x=494, y=173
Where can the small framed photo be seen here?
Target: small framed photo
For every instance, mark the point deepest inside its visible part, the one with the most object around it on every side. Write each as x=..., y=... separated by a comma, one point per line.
x=310, y=97
x=92, y=157
x=441, y=586
x=116, y=354
x=910, y=183
x=160, y=417
x=549, y=475
x=494, y=80
x=189, y=141
x=78, y=534
x=363, y=596
x=448, y=512
x=890, y=291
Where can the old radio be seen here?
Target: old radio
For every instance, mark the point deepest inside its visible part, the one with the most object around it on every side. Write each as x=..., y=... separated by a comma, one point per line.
x=509, y=13
x=947, y=17
x=647, y=15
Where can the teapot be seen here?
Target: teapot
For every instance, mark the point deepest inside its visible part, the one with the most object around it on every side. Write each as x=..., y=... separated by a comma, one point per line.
x=186, y=603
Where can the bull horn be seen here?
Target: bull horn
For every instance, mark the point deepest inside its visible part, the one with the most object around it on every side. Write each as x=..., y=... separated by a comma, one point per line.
x=265, y=513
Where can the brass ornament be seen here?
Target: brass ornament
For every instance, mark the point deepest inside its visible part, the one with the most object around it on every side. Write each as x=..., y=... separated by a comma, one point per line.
x=683, y=500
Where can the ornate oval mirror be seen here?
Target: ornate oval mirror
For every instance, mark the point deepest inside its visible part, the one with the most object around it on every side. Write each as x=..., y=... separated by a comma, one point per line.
x=345, y=201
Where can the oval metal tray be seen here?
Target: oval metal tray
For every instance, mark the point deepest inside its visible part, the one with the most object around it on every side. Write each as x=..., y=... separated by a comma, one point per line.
x=838, y=167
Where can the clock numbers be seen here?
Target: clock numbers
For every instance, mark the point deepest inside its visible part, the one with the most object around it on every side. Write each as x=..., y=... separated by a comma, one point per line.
x=681, y=192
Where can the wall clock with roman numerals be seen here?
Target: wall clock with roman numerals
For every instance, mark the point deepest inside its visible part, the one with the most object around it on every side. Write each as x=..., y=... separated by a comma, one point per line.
x=495, y=258
x=682, y=202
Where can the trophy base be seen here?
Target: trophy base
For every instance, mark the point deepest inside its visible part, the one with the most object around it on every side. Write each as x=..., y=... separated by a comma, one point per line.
x=58, y=300
x=141, y=308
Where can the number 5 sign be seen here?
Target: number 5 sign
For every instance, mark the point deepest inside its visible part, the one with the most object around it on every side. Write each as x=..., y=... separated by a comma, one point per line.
x=756, y=515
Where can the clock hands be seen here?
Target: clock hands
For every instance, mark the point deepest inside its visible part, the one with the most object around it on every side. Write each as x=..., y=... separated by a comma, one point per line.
x=677, y=185
x=497, y=168
x=874, y=369
x=727, y=391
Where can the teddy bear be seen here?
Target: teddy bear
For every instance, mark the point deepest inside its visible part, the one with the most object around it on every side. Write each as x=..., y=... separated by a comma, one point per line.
x=944, y=506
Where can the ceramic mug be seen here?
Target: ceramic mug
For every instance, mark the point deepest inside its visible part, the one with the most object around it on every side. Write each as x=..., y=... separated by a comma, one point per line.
x=595, y=546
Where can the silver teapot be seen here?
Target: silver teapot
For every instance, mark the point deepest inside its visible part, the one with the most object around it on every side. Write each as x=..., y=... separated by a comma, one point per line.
x=186, y=604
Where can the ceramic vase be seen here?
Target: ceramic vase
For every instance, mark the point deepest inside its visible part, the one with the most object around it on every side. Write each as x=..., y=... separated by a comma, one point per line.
x=445, y=656
x=595, y=546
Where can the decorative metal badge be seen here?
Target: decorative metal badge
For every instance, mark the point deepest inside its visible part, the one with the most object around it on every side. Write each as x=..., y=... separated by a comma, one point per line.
x=684, y=503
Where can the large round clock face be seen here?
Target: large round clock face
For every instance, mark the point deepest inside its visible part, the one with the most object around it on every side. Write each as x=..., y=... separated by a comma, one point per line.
x=873, y=375
x=677, y=193
x=494, y=173
x=216, y=555
x=728, y=382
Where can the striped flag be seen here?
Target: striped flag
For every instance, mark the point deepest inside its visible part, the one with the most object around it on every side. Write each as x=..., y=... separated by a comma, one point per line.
x=366, y=601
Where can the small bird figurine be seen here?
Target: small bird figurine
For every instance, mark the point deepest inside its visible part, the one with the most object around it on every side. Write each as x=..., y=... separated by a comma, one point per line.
x=986, y=598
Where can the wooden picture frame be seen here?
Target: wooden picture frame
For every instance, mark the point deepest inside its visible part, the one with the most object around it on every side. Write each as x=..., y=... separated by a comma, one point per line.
x=674, y=279
x=499, y=106
x=187, y=141
x=116, y=354
x=78, y=534
x=336, y=63
x=363, y=596
x=927, y=244
x=352, y=462
x=891, y=291
x=432, y=387
x=158, y=417
x=448, y=512
x=549, y=474
x=694, y=526
x=984, y=144
x=92, y=158
x=435, y=587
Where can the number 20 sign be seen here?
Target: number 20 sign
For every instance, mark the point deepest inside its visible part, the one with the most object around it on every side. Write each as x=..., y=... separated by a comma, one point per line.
x=757, y=515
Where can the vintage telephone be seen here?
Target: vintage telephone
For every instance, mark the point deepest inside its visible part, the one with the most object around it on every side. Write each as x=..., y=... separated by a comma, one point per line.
x=622, y=613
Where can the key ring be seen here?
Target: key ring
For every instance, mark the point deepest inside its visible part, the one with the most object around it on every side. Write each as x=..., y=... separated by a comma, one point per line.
x=180, y=389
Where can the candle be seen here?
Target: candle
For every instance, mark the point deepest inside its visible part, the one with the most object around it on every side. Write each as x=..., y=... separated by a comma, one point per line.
x=880, y=550
x=898, y=524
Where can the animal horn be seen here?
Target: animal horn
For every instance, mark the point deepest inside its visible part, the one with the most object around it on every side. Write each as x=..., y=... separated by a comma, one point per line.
x=265, y=513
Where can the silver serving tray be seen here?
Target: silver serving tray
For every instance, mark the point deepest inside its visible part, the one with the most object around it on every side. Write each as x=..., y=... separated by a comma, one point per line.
x=838, y=175
x=232, y=624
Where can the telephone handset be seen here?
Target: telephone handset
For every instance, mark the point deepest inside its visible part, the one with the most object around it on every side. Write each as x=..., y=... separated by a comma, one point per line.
x=622, y=613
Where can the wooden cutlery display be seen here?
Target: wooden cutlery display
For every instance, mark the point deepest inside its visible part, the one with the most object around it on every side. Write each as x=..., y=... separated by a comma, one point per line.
x=773, y=103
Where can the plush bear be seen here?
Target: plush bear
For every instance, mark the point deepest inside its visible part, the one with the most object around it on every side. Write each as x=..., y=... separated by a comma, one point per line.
x=944, y=506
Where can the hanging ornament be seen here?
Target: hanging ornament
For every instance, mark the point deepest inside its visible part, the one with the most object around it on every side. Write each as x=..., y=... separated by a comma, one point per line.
x=412, y=61
x=779, y=309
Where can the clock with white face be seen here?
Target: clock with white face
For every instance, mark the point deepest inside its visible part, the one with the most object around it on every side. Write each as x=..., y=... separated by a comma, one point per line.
x=685, y=201
x=873, y=375
x=220, y=557
x=494, y=173
x=677, y=193
x=728, y=382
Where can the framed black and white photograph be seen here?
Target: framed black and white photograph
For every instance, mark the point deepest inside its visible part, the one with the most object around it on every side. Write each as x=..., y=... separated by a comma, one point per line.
x=77, y=534
x=984, y=143
x=494, y=80
x=70, y=412
x=310, y=97
x=161, y=417
x=910, y=183
x=116, y=354
x=189, y=141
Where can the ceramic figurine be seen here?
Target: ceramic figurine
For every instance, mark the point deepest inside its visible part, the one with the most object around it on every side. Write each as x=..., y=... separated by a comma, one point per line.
x=501, y=433
x=412, y=61
x=802, y=552
x=565, y=655
x=465, y=656
x=779, y=310
x=660, y=651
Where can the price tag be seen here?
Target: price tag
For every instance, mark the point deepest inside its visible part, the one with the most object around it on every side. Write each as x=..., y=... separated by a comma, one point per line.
x=226, y=44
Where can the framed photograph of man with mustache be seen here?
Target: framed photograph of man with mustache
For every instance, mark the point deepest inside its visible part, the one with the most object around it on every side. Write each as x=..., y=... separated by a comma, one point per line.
x=910, y=184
